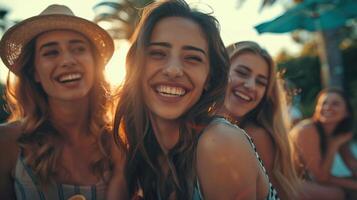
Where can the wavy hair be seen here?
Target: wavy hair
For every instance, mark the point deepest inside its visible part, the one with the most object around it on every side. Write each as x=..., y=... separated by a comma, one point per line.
x=271, y=115
x=132, y=127
x=28, y=103
x=345, y=125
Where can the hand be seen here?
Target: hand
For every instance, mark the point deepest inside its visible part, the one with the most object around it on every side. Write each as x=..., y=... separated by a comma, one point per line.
x=339, y=140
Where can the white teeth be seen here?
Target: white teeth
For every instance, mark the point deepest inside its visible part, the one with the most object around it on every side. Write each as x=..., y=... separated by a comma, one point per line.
x=70, y=77
x=243, y=96
x=170, y=91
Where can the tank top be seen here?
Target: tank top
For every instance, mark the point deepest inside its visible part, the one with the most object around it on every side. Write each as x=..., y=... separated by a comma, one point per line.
x=27, y=186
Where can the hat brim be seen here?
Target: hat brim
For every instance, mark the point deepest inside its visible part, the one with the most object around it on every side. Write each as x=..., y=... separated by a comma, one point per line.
x=14, y=40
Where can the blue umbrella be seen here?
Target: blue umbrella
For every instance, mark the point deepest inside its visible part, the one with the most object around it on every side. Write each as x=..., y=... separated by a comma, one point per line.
x=312, y=15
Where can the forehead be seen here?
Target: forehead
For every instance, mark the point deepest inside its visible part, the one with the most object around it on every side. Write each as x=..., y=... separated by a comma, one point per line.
x=179, y=30
x=254, y=62
x=331, y=96
x=60, y=35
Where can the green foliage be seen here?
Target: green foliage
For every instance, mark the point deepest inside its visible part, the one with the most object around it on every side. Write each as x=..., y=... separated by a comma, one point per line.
x=303, y=74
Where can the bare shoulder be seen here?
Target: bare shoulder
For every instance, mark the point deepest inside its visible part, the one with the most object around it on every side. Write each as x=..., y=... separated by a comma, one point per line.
x=10, y=132
x=222, y=138
x=225, y=155
x=304, y=129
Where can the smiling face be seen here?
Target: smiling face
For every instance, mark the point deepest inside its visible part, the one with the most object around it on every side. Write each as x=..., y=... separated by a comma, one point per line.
x=248, y=80
x=176, y=67
x=330, y=108
x=64, y=65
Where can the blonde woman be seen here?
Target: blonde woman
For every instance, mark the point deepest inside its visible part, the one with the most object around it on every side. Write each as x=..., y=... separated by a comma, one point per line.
x=57, y=143
x=255, y=102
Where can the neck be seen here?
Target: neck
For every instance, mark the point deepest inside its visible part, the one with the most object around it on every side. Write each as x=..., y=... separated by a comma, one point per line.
x=328, y=128
x=166, y=132
x=70, y=118
x=228, y=116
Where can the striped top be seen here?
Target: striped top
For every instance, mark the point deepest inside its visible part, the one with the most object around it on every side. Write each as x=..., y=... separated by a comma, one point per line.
x=272, y=195
x=27, y=186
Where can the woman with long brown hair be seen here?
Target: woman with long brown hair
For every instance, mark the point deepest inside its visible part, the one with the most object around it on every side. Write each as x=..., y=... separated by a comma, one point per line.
x=57, y=142
x=319, y=139
x=175, y=147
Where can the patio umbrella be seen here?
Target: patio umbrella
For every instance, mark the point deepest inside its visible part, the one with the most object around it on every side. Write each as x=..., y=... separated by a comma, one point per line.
x=324, y=17
x=312, y=15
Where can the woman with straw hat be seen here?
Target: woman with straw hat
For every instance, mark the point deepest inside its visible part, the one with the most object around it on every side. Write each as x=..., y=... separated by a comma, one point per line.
x=57, y=142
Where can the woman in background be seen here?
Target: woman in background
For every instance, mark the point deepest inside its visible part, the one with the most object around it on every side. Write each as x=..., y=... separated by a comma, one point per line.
x=320, y=138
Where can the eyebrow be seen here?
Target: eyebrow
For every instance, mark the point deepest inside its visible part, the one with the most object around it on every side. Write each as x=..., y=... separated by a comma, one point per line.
x=186, y=47
x=50, y=44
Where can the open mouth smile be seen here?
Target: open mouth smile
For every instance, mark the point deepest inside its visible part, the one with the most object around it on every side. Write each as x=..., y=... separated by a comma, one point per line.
x=69, y=77
x=242, y=95
x=170, y=91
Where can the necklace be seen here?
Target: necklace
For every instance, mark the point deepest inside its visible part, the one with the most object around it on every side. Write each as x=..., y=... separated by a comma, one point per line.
x=230, y=118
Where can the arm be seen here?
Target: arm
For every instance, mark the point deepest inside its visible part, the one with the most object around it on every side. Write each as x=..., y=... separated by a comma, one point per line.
x=308, y=143
x=8, y=156
x=117, y=185
x=227, y=167
x=349, y=159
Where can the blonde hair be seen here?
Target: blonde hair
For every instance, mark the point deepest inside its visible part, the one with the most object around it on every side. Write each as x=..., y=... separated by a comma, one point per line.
x=27, y=102
x=274, y=104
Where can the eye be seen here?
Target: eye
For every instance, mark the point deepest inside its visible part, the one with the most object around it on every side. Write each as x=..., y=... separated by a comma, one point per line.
x=79, y=49
x=262, y=82
x=156, y=54
x=242, y=72
x=50, y=53
x=194, y=58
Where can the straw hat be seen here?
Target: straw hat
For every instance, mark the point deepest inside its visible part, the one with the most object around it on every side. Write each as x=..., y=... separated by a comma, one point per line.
x=54, y=17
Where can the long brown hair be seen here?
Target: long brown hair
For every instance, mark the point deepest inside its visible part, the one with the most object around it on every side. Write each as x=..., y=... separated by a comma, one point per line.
x=28, y=103
x=132, y=127
x=270, y=114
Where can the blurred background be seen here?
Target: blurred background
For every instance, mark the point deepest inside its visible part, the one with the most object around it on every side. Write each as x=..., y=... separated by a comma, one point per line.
x=309, y=57
x=314, y=42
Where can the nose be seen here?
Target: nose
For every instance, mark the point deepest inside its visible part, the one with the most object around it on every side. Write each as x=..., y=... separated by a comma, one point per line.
x=249, y=83
x=67, y=59
x=173, y=69
x=326, y=106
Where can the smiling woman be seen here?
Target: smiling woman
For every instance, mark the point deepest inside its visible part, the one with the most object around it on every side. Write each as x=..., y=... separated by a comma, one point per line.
x=164, y=120
x=57, y=142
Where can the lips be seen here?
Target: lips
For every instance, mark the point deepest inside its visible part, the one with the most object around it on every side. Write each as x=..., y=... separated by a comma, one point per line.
x=69, y=77
x=170, y=91
x=242, y=96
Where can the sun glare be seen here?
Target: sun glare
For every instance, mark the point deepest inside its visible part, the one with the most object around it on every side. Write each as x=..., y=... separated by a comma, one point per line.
x=115, y=69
